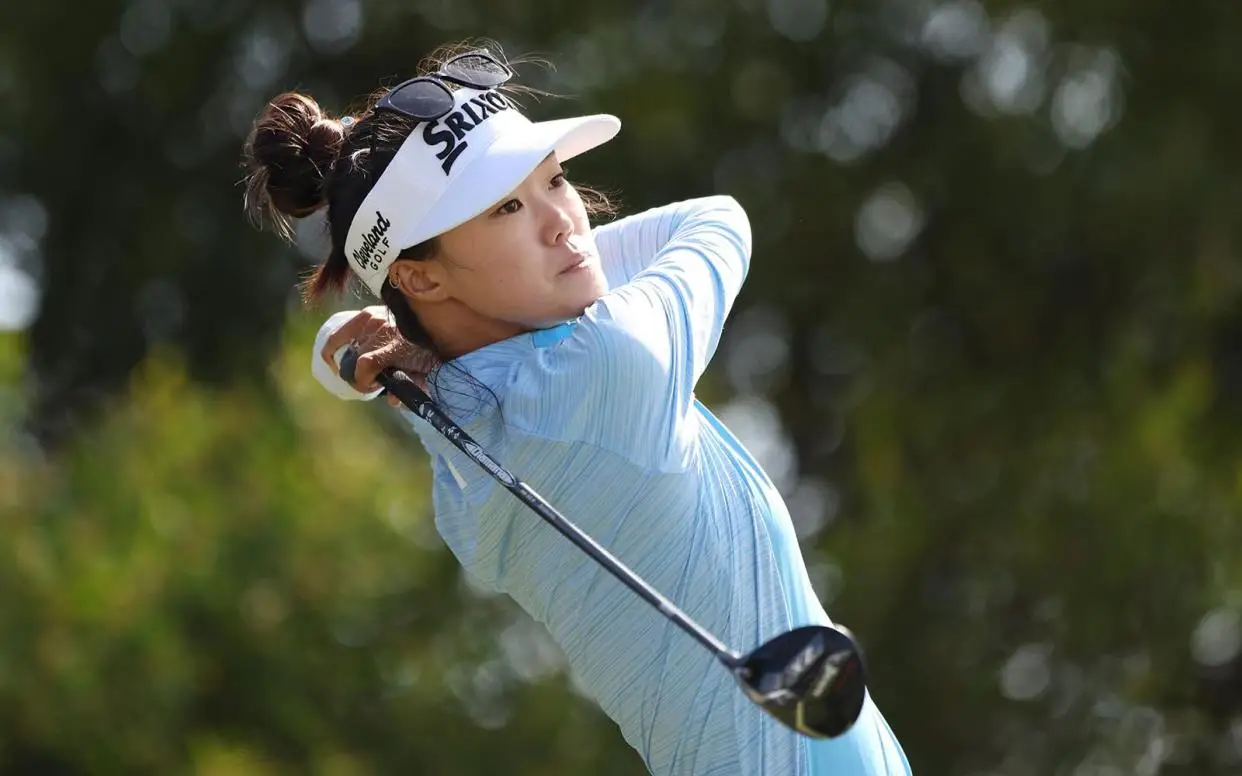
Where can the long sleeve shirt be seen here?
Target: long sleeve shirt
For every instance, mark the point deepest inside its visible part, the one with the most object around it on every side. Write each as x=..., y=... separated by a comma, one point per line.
x=598, y=415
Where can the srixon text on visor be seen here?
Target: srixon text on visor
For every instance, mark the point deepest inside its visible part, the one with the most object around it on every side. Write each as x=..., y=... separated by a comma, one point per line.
x=450, y=131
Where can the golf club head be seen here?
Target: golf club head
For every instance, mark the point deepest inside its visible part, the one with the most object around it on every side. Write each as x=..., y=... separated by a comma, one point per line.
x=812, y=679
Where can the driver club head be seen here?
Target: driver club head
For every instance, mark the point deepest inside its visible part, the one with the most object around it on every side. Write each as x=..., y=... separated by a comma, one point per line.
x=812, y=679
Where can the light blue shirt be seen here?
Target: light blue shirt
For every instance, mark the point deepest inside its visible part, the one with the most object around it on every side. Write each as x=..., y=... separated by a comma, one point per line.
x=599, y=417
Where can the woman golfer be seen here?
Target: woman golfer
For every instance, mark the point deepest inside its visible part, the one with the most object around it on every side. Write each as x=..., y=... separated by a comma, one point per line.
x=571, y=354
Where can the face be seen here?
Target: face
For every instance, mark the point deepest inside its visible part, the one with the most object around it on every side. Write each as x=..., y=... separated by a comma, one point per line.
x=528, y=262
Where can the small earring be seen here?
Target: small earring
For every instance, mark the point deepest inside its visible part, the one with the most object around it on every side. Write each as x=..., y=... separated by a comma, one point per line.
x=392, y=281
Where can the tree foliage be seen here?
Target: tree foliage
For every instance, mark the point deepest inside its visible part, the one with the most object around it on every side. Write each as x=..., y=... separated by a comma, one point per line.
x=989, y=349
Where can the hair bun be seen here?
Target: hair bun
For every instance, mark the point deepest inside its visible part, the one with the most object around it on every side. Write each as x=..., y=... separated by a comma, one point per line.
x=290, y=153
x=323, y=143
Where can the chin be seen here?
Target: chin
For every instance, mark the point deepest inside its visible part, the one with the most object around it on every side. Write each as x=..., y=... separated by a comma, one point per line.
x=571, y=299
x=587, y=292
x=576, y=307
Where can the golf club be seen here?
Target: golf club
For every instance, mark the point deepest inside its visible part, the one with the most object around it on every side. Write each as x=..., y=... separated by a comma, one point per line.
x=812, y=679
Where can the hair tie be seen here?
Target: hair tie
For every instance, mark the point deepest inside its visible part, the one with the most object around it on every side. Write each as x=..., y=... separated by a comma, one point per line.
x=347, y=121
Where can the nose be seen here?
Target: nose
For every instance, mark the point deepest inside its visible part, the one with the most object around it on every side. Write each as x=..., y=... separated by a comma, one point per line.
x=558, y=223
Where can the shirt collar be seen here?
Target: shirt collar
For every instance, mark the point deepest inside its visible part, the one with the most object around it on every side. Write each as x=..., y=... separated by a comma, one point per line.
x=491, y=365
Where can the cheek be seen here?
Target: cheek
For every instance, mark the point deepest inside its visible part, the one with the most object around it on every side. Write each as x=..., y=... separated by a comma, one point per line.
x=582, y=221
x=514, y=285
x=488, y=268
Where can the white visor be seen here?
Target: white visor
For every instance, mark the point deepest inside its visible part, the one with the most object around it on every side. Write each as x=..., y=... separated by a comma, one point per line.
x=454, y=168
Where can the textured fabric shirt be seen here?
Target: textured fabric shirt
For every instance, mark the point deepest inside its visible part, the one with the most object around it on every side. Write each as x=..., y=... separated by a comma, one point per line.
x=598, y=415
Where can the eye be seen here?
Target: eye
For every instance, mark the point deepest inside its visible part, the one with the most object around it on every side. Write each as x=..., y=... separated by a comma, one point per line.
x=508, y=208
x=558, y=180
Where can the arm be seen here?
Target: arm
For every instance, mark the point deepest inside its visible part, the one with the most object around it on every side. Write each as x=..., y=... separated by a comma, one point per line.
x=637, y=353
x=629, y=245
x=373, y=331
x=673, y=311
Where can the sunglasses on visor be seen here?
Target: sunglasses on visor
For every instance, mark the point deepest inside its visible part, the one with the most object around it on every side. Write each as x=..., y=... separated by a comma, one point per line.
x=427, y=97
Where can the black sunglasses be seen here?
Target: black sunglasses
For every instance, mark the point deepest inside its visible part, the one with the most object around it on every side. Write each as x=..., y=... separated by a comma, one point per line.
x=427, y=98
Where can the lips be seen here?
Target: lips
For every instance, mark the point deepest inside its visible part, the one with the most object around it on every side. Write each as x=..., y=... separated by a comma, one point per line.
x=578, y=261
x=582, y=250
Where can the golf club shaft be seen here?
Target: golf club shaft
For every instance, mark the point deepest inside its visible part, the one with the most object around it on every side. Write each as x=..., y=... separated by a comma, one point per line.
x=400, y=385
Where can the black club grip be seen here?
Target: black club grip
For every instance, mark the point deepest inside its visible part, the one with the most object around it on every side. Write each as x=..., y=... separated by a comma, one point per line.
x=349, y=365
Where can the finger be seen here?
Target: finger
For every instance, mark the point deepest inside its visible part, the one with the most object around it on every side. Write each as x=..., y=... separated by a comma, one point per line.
x=367, y=335
x=365, y=372
x=372, y=363
x=393, y=401
x=344, y=334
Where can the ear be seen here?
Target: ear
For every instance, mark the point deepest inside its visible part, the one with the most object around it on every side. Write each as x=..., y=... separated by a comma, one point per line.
x=422, y=281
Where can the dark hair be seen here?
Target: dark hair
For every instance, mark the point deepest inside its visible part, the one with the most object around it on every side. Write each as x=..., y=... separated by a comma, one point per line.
x=300, y=159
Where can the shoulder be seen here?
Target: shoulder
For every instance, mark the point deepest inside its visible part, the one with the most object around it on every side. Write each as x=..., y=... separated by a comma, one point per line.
x=602, y=385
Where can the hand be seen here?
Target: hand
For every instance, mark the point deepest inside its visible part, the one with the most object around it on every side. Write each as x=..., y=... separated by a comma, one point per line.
x=379, y=345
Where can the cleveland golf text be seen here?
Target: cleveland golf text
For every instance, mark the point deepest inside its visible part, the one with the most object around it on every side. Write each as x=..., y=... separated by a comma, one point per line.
x=364, y=255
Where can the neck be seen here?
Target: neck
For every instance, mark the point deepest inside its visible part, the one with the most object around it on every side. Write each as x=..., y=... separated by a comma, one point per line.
x=457, y=330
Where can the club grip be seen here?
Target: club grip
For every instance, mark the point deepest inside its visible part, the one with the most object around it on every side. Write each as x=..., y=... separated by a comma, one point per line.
x=393, y=381
x=348, y=365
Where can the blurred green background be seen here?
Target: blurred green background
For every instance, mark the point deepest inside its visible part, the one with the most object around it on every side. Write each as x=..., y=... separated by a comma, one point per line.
x=990, y=349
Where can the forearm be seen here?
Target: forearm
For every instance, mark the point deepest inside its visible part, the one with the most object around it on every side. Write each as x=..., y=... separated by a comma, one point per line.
x=629, y=245
x=673, y=311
